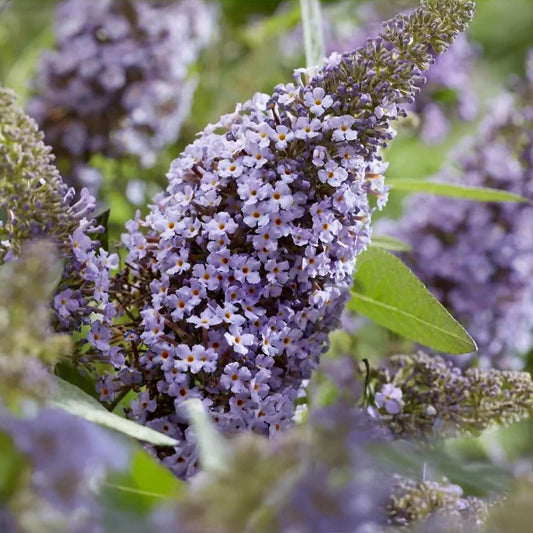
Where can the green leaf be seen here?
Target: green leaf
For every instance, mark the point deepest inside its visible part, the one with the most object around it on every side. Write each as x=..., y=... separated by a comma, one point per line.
x=151, y=476
x=146, y=484
x=478, y=194
x=77, y=376
x=388, y=293
x=313, y=32
x=389, y=243
x=78, y=403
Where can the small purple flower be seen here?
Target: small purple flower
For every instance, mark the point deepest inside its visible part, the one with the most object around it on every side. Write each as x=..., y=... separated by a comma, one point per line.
x=390, y=399
x=238, y=340
x=235, y=377
x=99, y=336
x=65, y=303
x=317, y=101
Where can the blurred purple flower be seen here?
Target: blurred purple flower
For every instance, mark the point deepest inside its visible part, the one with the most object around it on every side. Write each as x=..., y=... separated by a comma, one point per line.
x=477, y=258
x=117, y=82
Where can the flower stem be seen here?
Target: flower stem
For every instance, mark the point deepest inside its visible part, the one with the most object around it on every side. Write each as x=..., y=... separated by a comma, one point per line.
x=313, y=34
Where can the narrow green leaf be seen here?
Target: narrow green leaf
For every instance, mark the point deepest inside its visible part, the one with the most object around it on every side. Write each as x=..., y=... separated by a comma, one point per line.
x=478, y=194
x=388, y=293
x=152, y=477
x=13, y=466
x=68, y=371
x=389, y=243
x=78, y=403
x=145, y=486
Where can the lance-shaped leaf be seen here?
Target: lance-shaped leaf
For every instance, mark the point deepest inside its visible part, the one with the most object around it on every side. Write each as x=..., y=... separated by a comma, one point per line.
x=388, y=293
x=453, y=190
x=78, y=403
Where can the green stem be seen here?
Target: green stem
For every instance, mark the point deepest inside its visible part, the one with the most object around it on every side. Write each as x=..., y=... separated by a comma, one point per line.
x=313, y=34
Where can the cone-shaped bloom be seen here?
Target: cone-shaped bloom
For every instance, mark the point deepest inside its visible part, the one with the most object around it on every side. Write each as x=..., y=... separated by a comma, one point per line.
x=36, y=203
x=243, y=265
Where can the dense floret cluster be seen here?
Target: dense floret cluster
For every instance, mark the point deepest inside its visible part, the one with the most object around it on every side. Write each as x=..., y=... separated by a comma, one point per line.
x=34, y=201
x=447, y=94
x=38, y=204
x=435, y=506
x=244, y=263
x=463, y=248
x=118, y=81
x=424, y=397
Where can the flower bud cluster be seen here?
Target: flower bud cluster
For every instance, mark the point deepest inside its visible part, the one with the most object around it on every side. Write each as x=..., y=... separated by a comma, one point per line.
x=38, y=204
x=447, y=94
x=34, y=201
x=436, y=507
x=28, y=343
x=463, y=247
x=118, y=79
x=439, y=400
x=243, y=265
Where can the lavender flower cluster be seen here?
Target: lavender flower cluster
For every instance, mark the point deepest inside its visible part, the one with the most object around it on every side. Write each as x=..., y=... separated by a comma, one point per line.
x=462, y=248
x=38, y=205
x=244, y=263
x=118, y=81
x=424, y=397
x=447, y=94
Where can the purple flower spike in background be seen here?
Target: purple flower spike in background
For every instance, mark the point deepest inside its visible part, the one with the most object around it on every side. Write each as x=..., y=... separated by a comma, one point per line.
x=260, y=225
x=477, y=257
x=118, y=81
